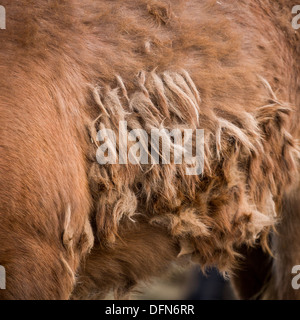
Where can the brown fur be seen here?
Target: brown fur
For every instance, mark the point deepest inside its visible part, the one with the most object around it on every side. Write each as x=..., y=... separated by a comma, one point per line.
x=66, y=67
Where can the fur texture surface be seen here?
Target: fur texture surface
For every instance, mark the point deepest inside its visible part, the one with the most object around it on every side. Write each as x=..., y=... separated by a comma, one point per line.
x=72, y=228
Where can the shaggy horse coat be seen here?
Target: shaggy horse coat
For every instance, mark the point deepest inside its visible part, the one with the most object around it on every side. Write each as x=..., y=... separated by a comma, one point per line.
x=72, y=228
